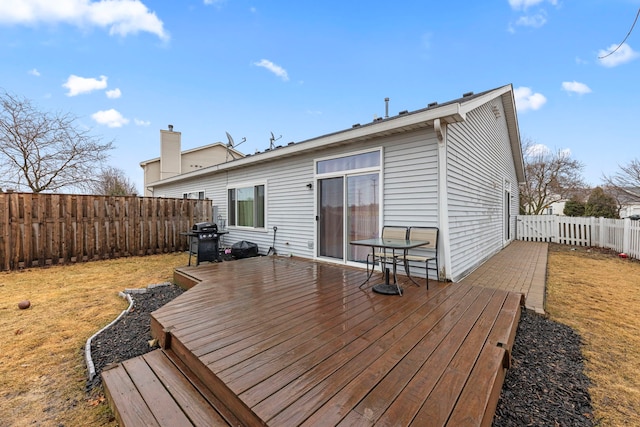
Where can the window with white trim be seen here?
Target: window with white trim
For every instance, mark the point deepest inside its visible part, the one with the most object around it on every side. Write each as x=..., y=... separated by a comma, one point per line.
x=194, y=195
x=246, y=206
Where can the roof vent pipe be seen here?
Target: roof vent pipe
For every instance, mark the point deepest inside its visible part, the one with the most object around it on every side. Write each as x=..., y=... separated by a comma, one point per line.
x=386, y=108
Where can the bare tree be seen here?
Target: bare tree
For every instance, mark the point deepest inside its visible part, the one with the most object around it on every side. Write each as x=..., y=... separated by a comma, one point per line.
x=550, y=177
x=626, y=182
x=42, y=151
x=112, y=181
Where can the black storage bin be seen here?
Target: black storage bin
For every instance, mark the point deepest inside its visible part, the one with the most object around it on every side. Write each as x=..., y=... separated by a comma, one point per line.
x=244, y=249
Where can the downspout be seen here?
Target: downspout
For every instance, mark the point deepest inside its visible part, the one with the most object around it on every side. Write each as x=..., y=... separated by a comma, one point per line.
x=443, y=201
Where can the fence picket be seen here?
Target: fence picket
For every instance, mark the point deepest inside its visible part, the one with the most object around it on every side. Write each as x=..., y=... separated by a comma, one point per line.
x=43, y=229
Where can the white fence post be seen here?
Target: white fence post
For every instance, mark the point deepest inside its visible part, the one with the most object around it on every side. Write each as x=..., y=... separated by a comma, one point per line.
x=626, y=235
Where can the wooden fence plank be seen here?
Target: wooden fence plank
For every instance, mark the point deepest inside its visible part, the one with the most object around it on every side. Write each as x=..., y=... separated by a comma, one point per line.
x=5, y=236
x=41, y=229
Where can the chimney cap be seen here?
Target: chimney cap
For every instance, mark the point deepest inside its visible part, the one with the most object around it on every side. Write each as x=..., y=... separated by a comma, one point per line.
x=170, y=128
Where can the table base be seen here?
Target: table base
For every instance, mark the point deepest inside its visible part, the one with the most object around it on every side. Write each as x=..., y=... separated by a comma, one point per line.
x=387, y=289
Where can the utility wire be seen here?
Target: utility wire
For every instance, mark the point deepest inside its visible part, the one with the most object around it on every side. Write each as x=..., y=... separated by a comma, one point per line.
x=625, y=39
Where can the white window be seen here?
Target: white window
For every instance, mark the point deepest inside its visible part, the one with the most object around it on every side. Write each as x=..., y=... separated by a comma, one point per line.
x=246, y=206
x=194, y=195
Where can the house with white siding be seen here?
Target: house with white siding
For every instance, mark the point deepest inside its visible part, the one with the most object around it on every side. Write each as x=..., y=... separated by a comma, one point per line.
x=453, y=165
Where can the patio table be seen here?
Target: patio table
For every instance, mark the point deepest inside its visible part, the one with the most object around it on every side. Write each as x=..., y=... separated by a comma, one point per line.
x=400, y=245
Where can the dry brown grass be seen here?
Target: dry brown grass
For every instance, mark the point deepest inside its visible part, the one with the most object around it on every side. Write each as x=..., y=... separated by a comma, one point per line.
x=599, y=296
x=42, y=368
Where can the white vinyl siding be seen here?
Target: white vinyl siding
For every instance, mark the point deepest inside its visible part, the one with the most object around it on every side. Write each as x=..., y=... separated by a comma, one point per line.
x=479, y=161
x=289, y=203
x=410, y=180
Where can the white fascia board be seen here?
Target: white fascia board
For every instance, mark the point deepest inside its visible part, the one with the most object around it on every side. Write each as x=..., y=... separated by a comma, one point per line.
x=146, y=162
x=450, y=113
x=483, y=99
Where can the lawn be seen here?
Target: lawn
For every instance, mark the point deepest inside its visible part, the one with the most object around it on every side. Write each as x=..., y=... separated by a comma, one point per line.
x=42, y=367
x=598, y=295
x=43, y=374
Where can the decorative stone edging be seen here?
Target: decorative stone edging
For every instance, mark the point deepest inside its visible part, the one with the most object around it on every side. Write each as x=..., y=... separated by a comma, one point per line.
x=126, y=294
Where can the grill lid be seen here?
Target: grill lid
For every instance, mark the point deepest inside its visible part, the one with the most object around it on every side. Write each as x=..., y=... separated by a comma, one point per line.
x=205, y=227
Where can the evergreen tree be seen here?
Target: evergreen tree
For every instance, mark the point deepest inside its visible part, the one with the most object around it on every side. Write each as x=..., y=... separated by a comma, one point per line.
x=601, y=204
x=574, y=207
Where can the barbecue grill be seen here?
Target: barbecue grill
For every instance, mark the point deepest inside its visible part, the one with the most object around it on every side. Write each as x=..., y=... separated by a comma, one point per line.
x=204, y=242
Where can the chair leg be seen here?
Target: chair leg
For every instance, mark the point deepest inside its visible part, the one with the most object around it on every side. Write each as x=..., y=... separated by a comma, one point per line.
x=426, y=274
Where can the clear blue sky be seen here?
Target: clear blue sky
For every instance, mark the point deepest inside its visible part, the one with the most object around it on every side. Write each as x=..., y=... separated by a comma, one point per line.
x=303, y=69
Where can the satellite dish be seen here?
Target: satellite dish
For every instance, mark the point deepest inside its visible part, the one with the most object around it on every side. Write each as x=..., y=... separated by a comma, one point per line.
x=231, y=144
x=230, y=139
x=272, y=140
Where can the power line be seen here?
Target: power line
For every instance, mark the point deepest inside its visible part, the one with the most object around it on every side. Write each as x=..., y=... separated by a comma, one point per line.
x=625, y=39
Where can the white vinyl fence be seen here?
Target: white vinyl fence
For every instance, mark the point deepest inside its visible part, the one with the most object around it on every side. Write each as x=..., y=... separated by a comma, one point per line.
x=621, y=235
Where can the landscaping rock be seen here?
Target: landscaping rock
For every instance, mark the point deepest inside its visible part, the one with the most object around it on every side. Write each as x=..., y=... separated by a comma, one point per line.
x=130, y=336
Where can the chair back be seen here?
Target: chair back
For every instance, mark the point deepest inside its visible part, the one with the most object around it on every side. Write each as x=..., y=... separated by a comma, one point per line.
x=430, y=234
x=392, y=232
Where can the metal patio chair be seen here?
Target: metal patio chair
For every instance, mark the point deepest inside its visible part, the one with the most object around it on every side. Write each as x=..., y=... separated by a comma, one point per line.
x=423, y=254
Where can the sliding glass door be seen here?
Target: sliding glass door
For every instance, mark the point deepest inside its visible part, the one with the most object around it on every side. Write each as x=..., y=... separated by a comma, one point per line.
x=362, y=213
x=331, y=217
x=348, y=210
x=348, y=204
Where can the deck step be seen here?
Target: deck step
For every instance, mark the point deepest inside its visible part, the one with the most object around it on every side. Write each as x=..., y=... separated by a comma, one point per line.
x=151, y=390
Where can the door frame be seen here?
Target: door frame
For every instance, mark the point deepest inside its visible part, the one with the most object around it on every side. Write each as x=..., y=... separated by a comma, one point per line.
x=345, y=174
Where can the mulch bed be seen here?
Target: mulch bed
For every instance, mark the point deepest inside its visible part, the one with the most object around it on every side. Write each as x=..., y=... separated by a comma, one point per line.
x=130, y=336
x=545, y=386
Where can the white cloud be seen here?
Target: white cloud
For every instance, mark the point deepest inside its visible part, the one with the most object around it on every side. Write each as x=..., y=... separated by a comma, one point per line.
x=139, y=122
x=78, y=85
x=34, y=72
x=576, y=87
x=527, y=100
x=111, y=118
x=114, y=94
x=537, y=150
x=622, y=55
x=121, y=17
x=535, y=21
x=525, y=4
x=275, y=69
x=213, y=1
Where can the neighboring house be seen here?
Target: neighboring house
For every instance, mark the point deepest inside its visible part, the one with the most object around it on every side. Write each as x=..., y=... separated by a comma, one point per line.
x=630, y=210
x=629, y=205
x=173, y=161
x=555, y=208
x=455, y=166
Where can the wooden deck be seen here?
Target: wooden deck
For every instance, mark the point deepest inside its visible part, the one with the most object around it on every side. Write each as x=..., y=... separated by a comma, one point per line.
x=286, y=342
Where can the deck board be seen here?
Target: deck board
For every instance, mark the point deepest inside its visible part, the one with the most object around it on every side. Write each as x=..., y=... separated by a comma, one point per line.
x=286, y=341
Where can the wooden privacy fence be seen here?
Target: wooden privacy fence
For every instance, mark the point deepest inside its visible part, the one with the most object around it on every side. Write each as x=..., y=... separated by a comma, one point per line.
x=45, y=229
x=622, y=235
